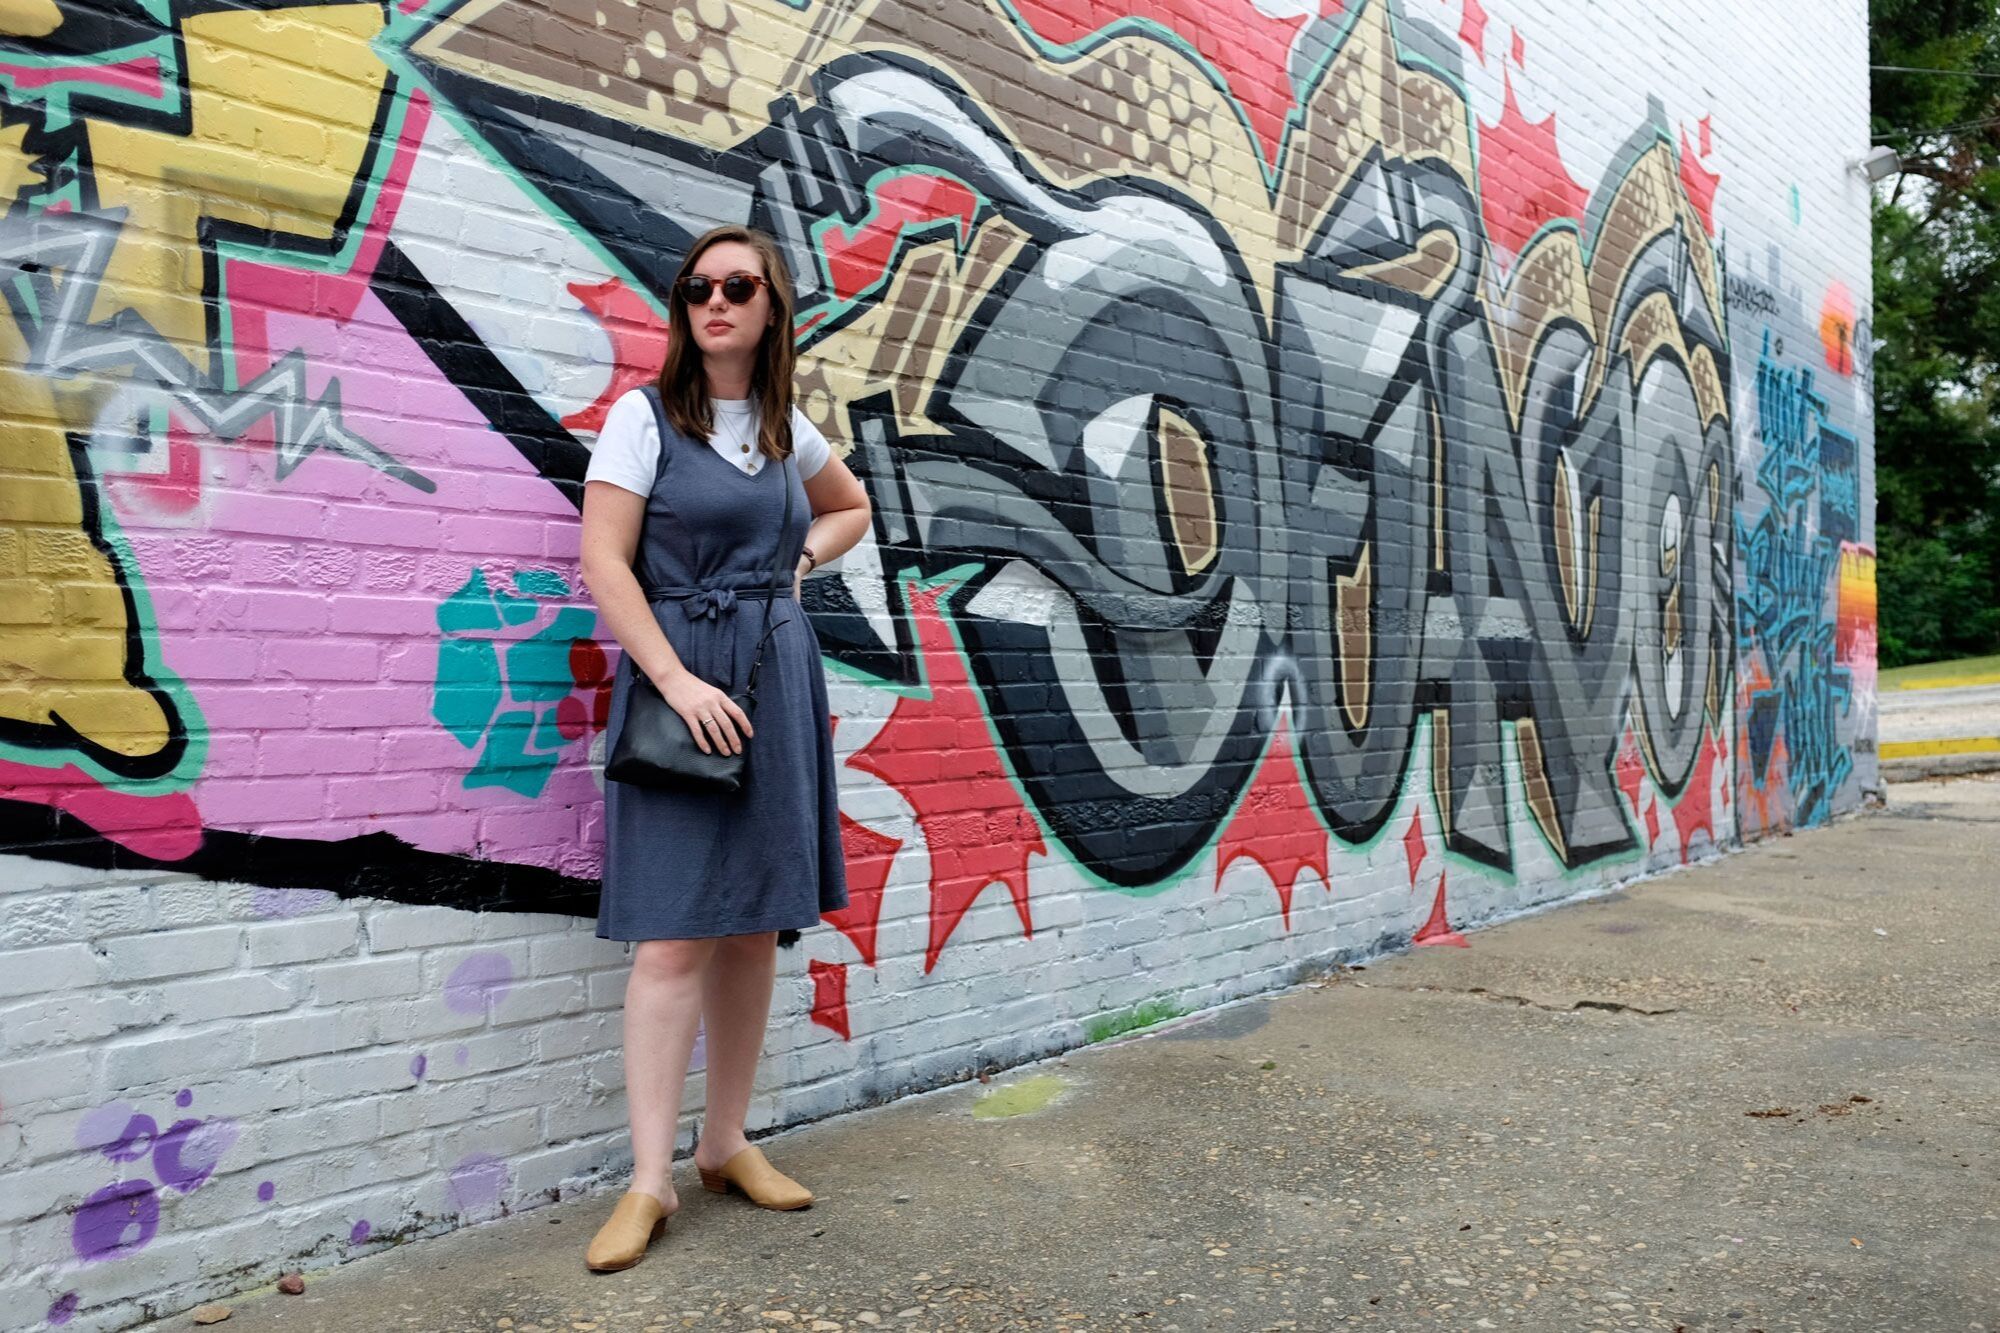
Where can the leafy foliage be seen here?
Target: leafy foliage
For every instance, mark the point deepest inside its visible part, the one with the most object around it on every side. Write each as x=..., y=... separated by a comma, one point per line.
x=1937, y=315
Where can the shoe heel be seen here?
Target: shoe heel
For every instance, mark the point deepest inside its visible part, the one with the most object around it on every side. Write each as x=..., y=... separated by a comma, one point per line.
x=713, y=1181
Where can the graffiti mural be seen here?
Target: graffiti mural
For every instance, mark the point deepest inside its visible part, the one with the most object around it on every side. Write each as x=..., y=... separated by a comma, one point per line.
x=1271, y=380
x=1337, y=478
x=1806, y=604
x=1329, y=442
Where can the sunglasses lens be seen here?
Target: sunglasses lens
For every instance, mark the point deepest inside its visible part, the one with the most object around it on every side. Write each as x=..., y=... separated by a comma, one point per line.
x=739, y=289
x=696, y=290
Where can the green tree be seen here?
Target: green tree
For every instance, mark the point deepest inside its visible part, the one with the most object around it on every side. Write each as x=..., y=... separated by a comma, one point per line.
x=1936, y=101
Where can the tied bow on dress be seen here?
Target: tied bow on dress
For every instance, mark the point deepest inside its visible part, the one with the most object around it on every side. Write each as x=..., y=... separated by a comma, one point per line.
x=710, y=603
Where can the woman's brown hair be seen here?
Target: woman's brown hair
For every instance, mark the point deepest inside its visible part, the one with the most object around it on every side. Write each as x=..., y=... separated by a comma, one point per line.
x=684, y=386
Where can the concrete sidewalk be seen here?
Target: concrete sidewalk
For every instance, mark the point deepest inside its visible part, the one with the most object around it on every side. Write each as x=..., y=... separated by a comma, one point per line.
x=1763, y=1094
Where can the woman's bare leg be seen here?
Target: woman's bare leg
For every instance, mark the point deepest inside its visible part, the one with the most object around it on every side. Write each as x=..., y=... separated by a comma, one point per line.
x=736, y=1007
x=663, y=1003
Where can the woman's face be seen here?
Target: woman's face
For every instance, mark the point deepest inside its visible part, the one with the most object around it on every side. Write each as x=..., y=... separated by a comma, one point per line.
x=721, y=329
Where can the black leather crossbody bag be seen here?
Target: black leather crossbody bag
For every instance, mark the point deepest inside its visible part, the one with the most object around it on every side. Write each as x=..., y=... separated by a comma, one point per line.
x=655, y=748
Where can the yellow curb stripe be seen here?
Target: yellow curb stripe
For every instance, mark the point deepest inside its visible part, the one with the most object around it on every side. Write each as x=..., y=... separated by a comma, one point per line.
x=1941, y=683
x=1943, y=745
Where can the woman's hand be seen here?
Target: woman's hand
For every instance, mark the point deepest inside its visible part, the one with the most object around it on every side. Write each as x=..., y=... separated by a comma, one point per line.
x=717, y=723
x=799, y=573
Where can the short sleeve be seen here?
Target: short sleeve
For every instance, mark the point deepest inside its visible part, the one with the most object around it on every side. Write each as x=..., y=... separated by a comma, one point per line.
x=809, y=447
x=627, y=453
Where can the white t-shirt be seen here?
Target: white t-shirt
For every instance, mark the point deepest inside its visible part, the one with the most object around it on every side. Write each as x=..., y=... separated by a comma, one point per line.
x=628, y=448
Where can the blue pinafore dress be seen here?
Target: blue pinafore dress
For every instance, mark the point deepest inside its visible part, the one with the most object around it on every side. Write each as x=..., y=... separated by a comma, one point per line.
x=692, y=865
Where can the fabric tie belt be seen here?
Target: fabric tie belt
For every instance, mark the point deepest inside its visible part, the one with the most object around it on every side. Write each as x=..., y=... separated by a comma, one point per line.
x=711, y=603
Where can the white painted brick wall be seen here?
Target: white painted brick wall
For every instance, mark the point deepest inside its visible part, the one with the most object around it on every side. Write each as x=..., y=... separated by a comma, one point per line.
x=357, y=1070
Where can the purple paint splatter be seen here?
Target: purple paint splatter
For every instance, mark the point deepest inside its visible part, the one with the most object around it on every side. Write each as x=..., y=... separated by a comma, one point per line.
x=63, y=1309
x=481, y=978
x=185, y=1097
x=267, y=1192
x=418, y=1064
x=116, y=1221
x=360, y=1232
x=461, y=1055
x=118, y=1131
x=478, y=1182
x=189, y=1152
x=288, y=902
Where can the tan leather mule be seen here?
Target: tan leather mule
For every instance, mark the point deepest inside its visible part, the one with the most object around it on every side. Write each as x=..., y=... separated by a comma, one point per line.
x=635, y=1223
x=758, y=1181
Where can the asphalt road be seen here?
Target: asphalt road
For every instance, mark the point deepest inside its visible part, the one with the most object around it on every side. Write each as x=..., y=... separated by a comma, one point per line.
x=1757, y=1095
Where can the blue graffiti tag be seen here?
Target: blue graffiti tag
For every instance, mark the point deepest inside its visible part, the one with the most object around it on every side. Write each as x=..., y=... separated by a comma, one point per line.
x=1788, y=568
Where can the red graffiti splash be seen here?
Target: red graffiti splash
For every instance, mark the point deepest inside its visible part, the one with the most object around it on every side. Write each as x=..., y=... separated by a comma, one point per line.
x=1699, y=182
x=638, y=345
x=1631, y=767
x=1696, y=809
x=937, y=753
x=1520, y=49
x=590, y=671
x=1523, y=183
x=1414, y=847
x=175, y=490
x=1472, y=29
x=868, y=855
x=857, y=259
x=1275, y=827
x=830, y=997
x=1249, y=47
x=1652, y=824
x=140, y=77
x=1437, y=930
x=162, y=828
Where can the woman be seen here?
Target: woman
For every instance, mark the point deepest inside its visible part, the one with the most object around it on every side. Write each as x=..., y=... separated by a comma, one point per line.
x=682, y=511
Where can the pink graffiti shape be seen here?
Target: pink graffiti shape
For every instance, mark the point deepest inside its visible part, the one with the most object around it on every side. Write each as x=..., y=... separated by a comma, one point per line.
x=857, y=259
x=869, y=855
x=1472, y=29
x=176, y=490
x=1246, y=44
x=638, y=345
x=830, y=997
x=162, y=828
x=1414, y=847
x=1275, y=827
x=141, y=76
x=1437, y=930
x=1696, y=811
x=936, y=752
x=1699, y=182
x=1523, y=183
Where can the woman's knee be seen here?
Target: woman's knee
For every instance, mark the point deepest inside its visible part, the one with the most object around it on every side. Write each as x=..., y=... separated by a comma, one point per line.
x=752, y=947
x=663, y=962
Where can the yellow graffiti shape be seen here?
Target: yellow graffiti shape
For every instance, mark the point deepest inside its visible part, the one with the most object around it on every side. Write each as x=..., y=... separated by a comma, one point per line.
x=17, y=167
x=63, y=622
x=283, y=105
x=29, y=18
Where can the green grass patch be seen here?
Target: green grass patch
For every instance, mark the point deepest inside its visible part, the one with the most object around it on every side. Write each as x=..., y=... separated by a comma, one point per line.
x=1143, y=1016
x=1943, y=675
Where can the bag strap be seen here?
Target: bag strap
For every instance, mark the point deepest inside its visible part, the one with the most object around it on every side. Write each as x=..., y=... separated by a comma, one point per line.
x=777, y=579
